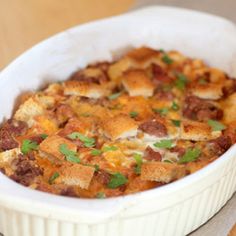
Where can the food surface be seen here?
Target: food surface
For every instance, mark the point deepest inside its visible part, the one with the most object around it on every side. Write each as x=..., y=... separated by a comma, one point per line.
x=116, y=128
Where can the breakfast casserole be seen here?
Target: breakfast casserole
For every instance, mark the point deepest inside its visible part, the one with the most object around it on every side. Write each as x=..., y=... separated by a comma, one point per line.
x=115, y=128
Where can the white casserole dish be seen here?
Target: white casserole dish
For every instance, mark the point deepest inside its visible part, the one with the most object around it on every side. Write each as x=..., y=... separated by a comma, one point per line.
x=174, y=209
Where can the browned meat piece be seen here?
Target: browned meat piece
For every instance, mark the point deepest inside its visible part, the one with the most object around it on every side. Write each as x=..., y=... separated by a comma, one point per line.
x=153, y=127
x=69, y=192
x=200, y=109
x=179, y=150
x=159, y=75
x=220, y=145
x=151, y=155
x=163, y=95
x=8, y=131
x=25, y=170
x=102, y=177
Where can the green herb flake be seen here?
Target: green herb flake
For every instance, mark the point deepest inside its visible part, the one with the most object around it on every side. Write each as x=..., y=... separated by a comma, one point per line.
x=109, y=148
x=181, y=81
x=53, y=177
x=97, y=167
x=176, y=123
x=114, y=96
x=166, y=59
x=161, y=111
x=69, y=154
x=202, y=81
x=28, y=146
x=117, y=180
x=139, y=161
x=175, y=106
x=133, y=114
x=168, y=161
x=100, y=195
x=165, y=143
x=88, y=142
x=96, y=152
x=190, y=155
x=216, y=125
x=43, y=136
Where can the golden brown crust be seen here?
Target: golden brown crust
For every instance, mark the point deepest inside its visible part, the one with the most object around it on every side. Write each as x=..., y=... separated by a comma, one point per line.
x=162, y=172
x=77, y=174
x=51, y=147
x=120, y=126
x=197, y=131
x=137, y=83
x=82, y=88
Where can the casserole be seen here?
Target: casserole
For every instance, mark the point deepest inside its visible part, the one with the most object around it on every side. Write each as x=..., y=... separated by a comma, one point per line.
x=175, y=209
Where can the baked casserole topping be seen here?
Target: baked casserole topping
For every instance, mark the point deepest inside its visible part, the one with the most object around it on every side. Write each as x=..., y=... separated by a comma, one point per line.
x=116, y=128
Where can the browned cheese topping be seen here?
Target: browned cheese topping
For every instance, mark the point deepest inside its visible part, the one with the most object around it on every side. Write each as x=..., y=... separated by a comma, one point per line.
x=115, y=128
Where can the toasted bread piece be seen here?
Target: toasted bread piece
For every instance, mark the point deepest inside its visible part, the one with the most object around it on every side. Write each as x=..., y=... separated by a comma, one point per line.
x=208, y=91
x=50, y=146
x=77, y=174
x=137, y=83
x=197, y=131
x=82, y=88
x=137, y=58
x=162, y=172
x=46, y=100
x=229, y=106
x=54, y=89
x=118, y=68
x=142, y=55
x=120, y=126
x=28, y=110
x=9, y=155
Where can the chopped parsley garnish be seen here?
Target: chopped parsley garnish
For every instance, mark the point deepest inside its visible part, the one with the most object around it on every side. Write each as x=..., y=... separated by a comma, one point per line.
x=96, y=152
x=53, y=177
x=176, y=123
x=165, y=143
x=133, y=114
x=109, y=148
x=101, y=195
x=88, y=142
x=181, y=81
x=175, y=106
x=190, y=155
x=166, y=59
x=69, y=154
x=97, y=167
x=28, y=146
x=114, y=96
x=216, y=125
x=161, y=111
x=43, y=136
x=168, y=161
x=117, y=180
x=139, y=161
x=202, y=81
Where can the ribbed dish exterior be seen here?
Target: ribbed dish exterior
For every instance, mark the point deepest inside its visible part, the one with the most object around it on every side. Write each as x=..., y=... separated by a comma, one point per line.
x=177, y=220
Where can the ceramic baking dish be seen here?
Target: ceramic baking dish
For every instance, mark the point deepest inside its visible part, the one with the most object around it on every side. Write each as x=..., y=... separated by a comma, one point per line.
x=174, y=209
